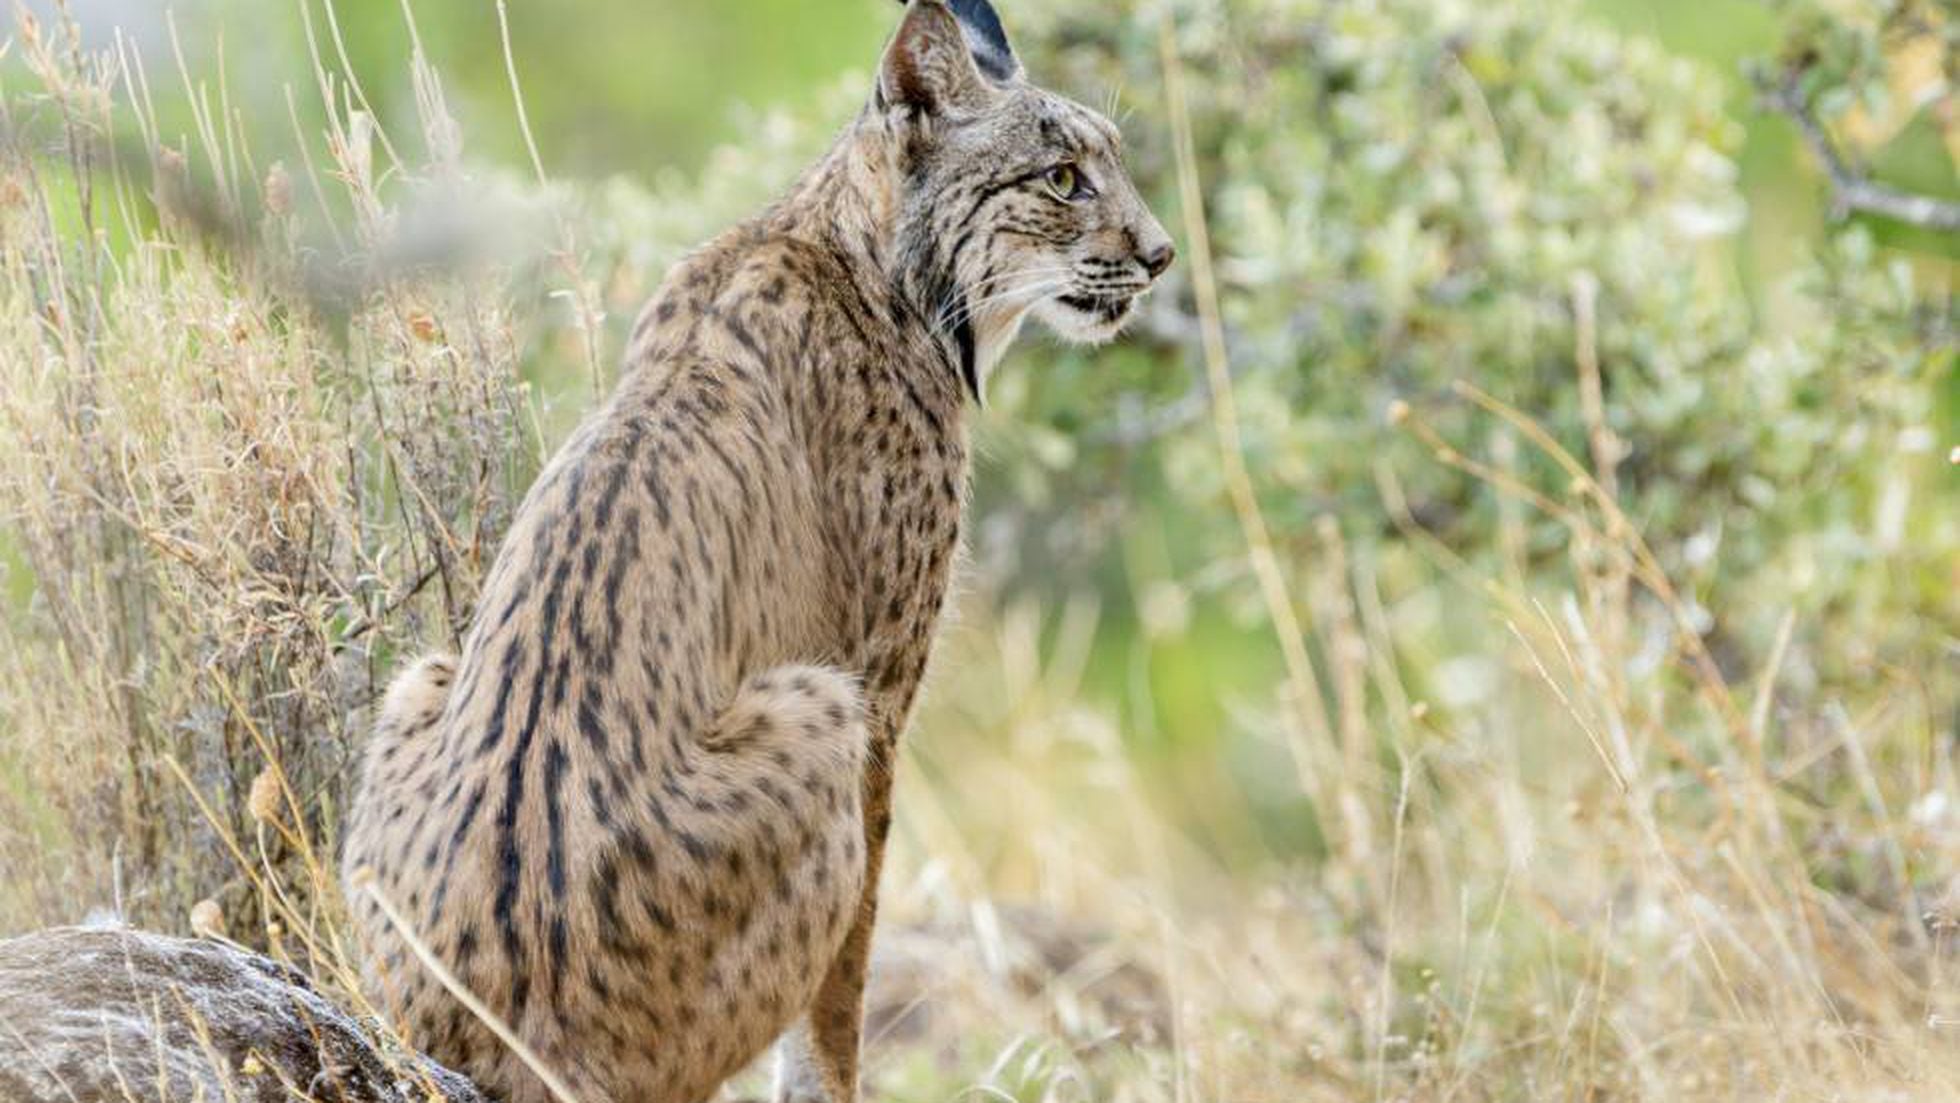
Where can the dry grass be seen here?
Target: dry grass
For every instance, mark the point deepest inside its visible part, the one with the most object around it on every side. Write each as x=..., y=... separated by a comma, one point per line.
x=241, y=480
x=246, y=464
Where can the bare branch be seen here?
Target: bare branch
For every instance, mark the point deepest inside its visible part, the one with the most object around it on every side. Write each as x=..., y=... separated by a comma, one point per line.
x=1851, y=189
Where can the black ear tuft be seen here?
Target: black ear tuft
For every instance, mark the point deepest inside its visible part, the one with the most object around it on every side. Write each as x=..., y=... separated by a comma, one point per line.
x=989, y=39
x=986, y=38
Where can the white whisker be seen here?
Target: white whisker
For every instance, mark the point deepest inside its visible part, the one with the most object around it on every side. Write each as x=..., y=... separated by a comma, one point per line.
x=1034, y=281
x=970, y=308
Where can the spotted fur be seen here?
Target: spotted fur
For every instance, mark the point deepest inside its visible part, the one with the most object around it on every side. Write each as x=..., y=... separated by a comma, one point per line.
x=642, y=815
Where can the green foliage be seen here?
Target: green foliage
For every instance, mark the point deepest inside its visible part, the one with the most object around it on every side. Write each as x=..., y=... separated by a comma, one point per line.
x=1406, y=194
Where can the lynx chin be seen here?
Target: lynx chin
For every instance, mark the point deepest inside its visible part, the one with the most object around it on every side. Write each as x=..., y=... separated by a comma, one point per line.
x=642, y=814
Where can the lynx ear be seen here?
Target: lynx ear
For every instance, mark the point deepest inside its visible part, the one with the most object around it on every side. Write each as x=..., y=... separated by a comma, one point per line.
x=930, y=66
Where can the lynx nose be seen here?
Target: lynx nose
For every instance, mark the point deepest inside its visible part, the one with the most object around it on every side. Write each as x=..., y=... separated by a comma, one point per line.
x=1157, y=258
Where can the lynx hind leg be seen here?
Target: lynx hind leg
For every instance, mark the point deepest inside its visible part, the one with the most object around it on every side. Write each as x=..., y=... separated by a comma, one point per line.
x=783, y=697
x=751, y=892
x=795, y=740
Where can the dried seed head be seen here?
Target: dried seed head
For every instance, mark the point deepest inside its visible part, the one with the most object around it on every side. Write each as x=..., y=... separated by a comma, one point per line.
x=207, y=919
x=264, y=799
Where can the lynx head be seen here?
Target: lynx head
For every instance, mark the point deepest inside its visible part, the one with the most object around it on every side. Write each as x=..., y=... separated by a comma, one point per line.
x=1011, y=199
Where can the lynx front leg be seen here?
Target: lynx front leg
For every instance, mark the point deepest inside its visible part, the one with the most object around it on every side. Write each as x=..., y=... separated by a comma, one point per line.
x=818, y=1058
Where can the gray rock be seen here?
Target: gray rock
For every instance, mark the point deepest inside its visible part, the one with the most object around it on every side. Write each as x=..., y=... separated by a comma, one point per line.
x=123, y=1016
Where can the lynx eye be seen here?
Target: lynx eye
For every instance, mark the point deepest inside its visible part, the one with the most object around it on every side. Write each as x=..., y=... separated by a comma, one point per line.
x=1065, y=182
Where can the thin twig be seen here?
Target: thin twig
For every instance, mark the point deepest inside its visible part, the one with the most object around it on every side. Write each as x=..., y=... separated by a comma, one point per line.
x=364, y=883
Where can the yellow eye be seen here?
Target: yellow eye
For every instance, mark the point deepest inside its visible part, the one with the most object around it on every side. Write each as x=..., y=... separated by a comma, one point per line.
x=1065, y=182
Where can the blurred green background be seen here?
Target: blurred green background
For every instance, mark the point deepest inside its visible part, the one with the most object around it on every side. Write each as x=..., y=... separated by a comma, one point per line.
x=646, y=88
